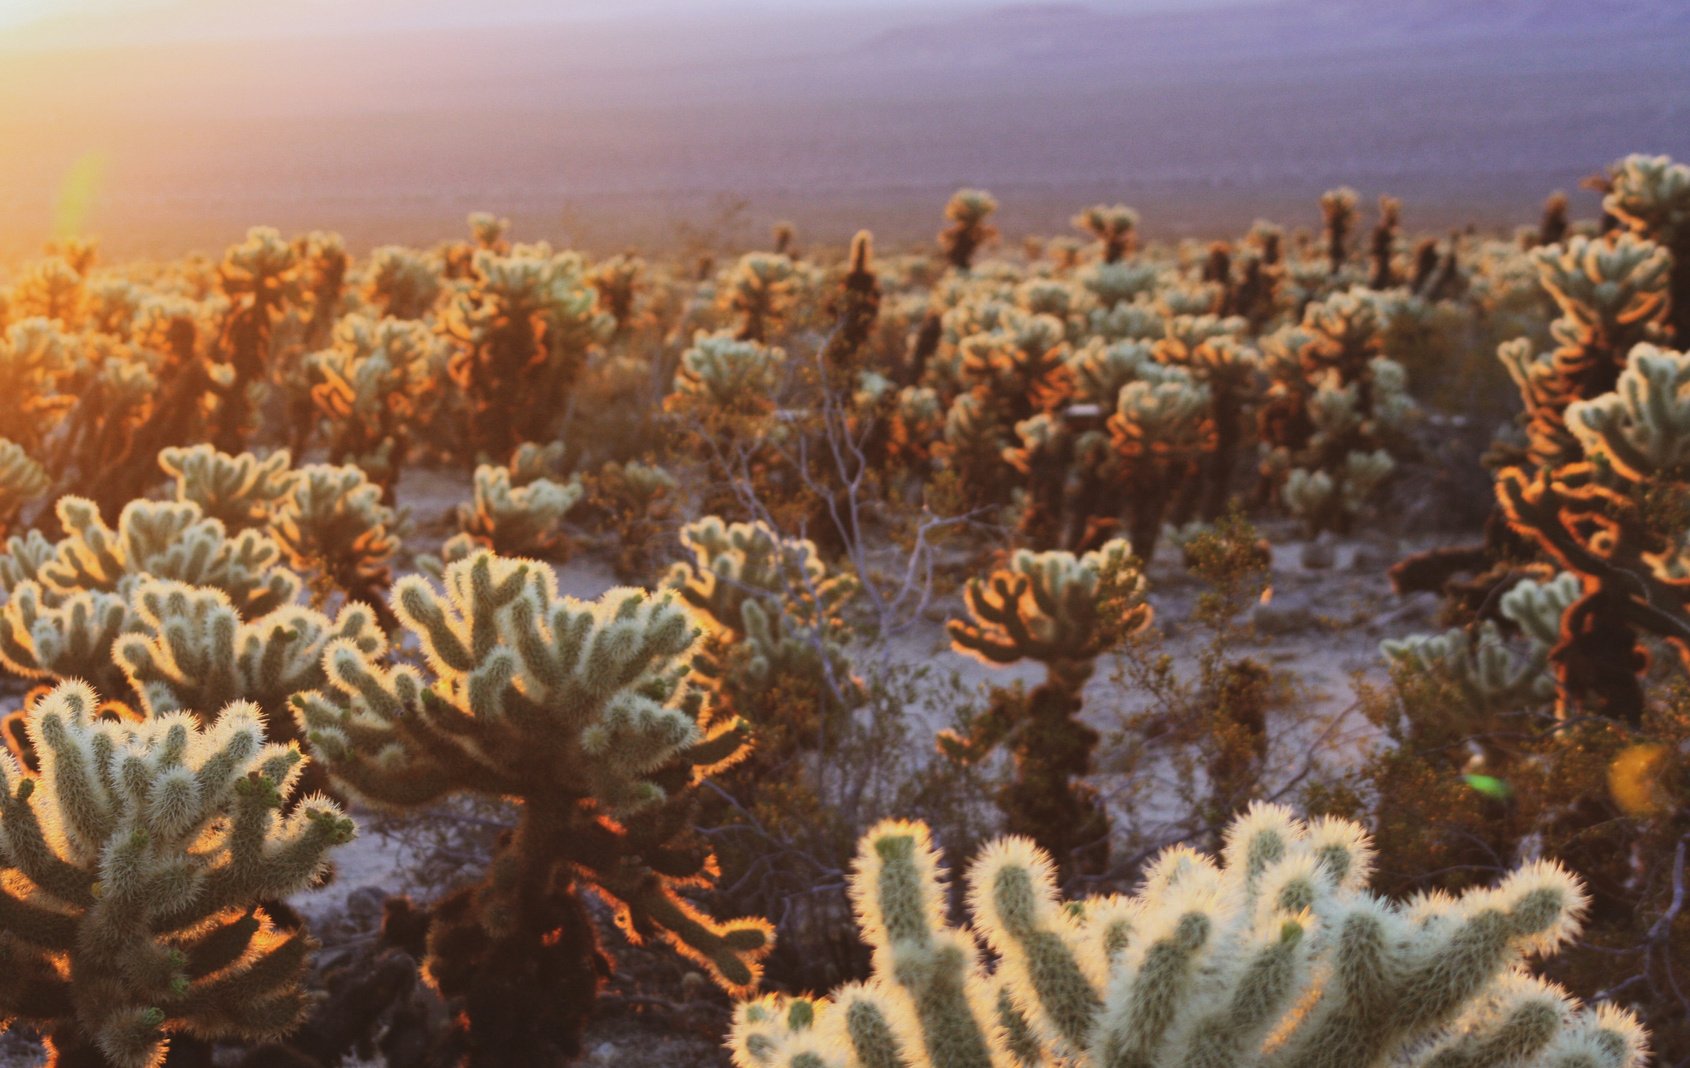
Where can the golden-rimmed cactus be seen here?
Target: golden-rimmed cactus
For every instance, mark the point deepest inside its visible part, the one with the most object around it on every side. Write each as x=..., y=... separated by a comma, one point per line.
x=515, y=519
x=967, y=212
x=22, y=481
x=1115, y=227
x=761, y=290
x=1275, y=955
x=1614, y=518
x=379, y=385
x=579, y=712
x=337, y=533
x=522, y=325
x=1063, y=611
x=241, y=492
x=1650, y=195
x=193, y=651
x=261, y=278
x=135, y=862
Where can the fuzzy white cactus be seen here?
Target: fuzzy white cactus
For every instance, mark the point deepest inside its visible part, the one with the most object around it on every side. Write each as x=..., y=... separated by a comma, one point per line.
x=1277, y=956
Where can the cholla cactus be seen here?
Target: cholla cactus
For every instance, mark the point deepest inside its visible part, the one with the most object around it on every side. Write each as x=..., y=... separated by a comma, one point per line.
x=1333, y=501
x=400, y=283
x=69, y=602
x=241, y=492
x=35, y=355
x=1276, y=957
x=260, y=277
x=22, y=480
x=1382, y=274
x=1163, y=434
x=967, y=211
x=774, y=606
x=1336, y=409
x=336, y=531
x=173, y=540
x=377, y=387
x=1602, y=518
x=580, y=713
x=51, y=289
x=1018, y=366
x=1491, y=673
x=1338, y=211
x=323, y=263
x=1118, y=287
x=518, y=520
x=618, y=281
x=135, y=862
x=721, y=374
x=1651, y=196
x=1064, y=611
x=760, y=289
x=1612, y=295
x=523, y=325
x=1228, y=370
x=637, y=499
x=194, y=651
x=1115, y=228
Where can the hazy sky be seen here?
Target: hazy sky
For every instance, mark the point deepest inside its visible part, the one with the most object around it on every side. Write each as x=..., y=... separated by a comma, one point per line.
x=115, y=21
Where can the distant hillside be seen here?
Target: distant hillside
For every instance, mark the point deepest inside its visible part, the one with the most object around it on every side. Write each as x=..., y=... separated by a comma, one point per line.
x=643, y=130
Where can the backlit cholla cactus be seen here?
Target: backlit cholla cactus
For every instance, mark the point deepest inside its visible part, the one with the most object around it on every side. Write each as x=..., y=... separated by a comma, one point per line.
x=1122, y=291
x=323, y=263
x=637, y=499
x=1275, y=955
x=760, y=289
x=1651, y=196
x=522, y=325
x=1017, y=367
x=1491, y=672
x=774, y=606
x=1607, y=519
x=380, y=384
x=34, y=356
x=336, y=531
x=400, y=283
x=967, y=212
x=51, y=289
x=1163, y=434
x=22, y=481
x=1114, y=226
x=516, y=518
x=68, y=601
x=581, y=714
x=1613, y=294
x=1063, y=611
x=1334, y=412
x=1338, y=212
x=1228, y=369
x=731, y=374
x=171, y=540
x=260, y=278
x=619, y=280
x=195, y=652
x=1333, y=500
x=242, y=492
x=134, y=864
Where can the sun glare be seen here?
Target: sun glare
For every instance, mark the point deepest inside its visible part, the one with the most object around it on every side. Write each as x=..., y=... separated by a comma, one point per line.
x=15, y=13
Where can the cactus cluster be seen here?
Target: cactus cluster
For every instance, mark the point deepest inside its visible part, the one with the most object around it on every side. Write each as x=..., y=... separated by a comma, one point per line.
x=136, y=861
x=1276, y=954
x=580, y=712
